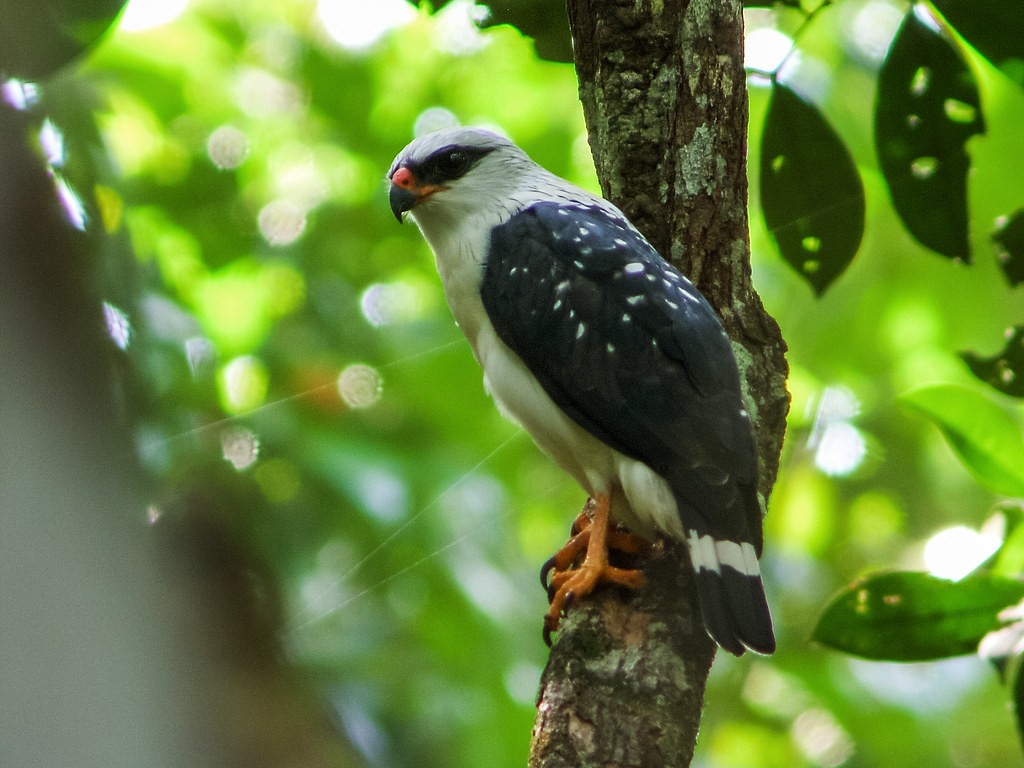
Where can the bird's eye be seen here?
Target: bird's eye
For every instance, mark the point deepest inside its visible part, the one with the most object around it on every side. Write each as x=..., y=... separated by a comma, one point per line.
x=453, y=164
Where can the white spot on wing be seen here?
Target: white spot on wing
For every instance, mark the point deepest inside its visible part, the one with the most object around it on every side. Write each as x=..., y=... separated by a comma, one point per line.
x=635, y=300
x=582, y=329
x=633, y=268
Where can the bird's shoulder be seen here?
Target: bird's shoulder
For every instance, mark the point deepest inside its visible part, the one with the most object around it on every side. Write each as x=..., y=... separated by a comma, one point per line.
x=556, y=271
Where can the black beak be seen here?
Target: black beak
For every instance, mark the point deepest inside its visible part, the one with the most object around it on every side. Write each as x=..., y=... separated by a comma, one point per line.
x=401, y=200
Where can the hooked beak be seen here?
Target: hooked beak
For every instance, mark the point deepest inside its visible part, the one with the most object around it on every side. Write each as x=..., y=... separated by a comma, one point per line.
x=407, y=192
x=402, y=199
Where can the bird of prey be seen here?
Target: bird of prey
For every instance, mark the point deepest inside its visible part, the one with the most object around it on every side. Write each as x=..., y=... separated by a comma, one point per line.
x=608, y=357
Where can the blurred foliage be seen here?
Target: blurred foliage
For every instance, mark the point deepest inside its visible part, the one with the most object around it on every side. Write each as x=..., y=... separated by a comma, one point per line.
x=281, y=338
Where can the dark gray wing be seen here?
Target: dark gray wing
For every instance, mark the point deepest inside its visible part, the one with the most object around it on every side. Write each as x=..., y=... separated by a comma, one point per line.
x=629, y=348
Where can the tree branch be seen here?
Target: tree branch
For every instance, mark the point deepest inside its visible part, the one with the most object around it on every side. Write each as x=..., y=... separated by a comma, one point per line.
x=664, y=95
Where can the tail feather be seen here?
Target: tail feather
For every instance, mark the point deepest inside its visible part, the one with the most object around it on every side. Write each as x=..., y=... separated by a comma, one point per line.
x=732, y=599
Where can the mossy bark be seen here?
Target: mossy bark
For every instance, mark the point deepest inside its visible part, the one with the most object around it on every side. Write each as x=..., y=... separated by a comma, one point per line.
x=664, y=95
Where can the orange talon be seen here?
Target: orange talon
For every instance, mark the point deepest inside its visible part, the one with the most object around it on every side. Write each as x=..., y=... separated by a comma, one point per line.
x=569, y=583
x=566, y=557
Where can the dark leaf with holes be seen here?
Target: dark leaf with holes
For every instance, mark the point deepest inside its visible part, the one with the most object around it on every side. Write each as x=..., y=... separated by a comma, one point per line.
x=1004, y=371
x=907, y=616
x=927, y=109
x=1008, y=240
x=811, y=193
x=994, y=28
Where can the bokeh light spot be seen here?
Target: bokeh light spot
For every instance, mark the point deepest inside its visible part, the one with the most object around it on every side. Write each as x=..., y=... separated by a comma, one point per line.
x=71, y=202
x=281, y=222
x=20, y=94
x=243, y=384
x=388, y=303
x=119, y=327
x=360, y=386
x=766, y=49
x=433, y=119
x=872, y=29
x=240, y=447
x=821, y=738
x=954, y=552
x=51, y=140
x=357, y=25
x=841, y=449
x=146, y=14
x=200, y=354
x=227, y=147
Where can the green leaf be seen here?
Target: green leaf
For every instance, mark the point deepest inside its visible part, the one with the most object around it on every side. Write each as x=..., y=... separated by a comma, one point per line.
x=908, y=616
x=1005, y=370
x=994, y=28
x=927, y=108
x=1009, y=560
x=36, y=39
x=1008, y=241
x=983, y=435
x=811, y=193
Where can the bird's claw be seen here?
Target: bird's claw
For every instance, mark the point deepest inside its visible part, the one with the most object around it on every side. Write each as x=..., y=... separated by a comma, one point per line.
x=574, y=571
x=545, y=569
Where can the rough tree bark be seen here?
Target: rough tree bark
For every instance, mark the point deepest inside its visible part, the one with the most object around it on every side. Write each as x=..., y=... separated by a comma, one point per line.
x=664, y=95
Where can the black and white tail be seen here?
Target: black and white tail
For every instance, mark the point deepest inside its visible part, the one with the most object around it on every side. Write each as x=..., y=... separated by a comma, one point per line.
x=732, y=599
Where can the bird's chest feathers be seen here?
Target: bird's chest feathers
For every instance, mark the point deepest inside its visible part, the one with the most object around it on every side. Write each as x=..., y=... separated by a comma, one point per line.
x=460, y=254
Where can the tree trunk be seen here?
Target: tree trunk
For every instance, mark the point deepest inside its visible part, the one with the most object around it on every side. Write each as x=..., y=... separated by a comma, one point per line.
x=664, y=95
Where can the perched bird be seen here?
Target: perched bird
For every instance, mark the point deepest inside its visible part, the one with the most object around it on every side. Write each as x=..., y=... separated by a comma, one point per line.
x=610, y=358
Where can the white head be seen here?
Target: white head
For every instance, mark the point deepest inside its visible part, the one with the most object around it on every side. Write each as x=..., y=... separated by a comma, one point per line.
x=445, y=177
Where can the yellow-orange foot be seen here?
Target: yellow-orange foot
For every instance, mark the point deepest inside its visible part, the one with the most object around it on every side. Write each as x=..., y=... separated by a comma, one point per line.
x=583, y=563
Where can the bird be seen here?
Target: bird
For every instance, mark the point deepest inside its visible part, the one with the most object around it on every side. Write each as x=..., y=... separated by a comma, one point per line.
x=610, y=358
